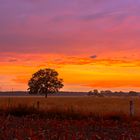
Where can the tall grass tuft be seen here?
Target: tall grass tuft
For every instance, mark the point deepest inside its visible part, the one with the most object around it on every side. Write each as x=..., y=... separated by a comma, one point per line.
x=61, y=114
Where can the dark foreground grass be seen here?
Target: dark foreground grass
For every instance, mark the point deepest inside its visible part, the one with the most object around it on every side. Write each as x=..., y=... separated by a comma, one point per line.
x=30, y=123
x=29, y=128
x=68, y=119
x=61, y=114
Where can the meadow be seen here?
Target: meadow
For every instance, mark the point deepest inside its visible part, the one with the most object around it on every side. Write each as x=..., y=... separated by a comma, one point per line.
x=69, y=118
x=85, y=105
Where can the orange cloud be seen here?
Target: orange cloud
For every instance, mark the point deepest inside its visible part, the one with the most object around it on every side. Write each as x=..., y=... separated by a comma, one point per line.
x=21, y=79
x=114, y=84
x=75, y=70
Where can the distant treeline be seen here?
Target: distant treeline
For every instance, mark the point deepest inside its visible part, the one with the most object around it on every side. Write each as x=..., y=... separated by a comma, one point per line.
x=25, y=93
x=111, y=93
x=94, y=92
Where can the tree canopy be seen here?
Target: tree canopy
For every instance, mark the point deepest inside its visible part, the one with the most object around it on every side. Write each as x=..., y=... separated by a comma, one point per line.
x=45, y=81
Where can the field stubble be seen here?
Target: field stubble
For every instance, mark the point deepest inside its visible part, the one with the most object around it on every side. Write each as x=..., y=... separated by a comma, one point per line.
x=102, y=106
x=65, y=128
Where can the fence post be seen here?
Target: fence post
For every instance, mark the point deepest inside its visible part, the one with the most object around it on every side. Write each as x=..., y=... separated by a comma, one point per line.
x=131, y=108
x=38, y=105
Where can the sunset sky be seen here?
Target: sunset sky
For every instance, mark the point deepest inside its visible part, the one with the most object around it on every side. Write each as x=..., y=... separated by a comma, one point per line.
x=93, y=44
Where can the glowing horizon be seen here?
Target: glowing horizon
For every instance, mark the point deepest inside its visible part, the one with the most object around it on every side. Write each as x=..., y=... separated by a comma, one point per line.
x=92, y=44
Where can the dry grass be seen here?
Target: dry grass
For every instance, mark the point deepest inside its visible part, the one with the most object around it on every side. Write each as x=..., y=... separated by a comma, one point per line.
x=102, y=106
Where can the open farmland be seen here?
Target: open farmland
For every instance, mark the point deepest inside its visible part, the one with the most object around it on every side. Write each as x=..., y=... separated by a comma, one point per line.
x=97, y=105
x=106, y=126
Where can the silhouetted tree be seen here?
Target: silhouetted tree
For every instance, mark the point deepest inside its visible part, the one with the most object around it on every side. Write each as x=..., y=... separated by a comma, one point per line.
x=45, y=81
x=95, y=91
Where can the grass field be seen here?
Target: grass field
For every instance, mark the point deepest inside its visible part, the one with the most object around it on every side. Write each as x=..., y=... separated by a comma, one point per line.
x=85, y=105
x=60, y=121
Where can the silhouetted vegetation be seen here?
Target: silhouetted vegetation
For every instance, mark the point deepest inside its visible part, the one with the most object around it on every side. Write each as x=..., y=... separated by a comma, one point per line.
x=102, y=93
x=54, y=113
x=45, y=81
